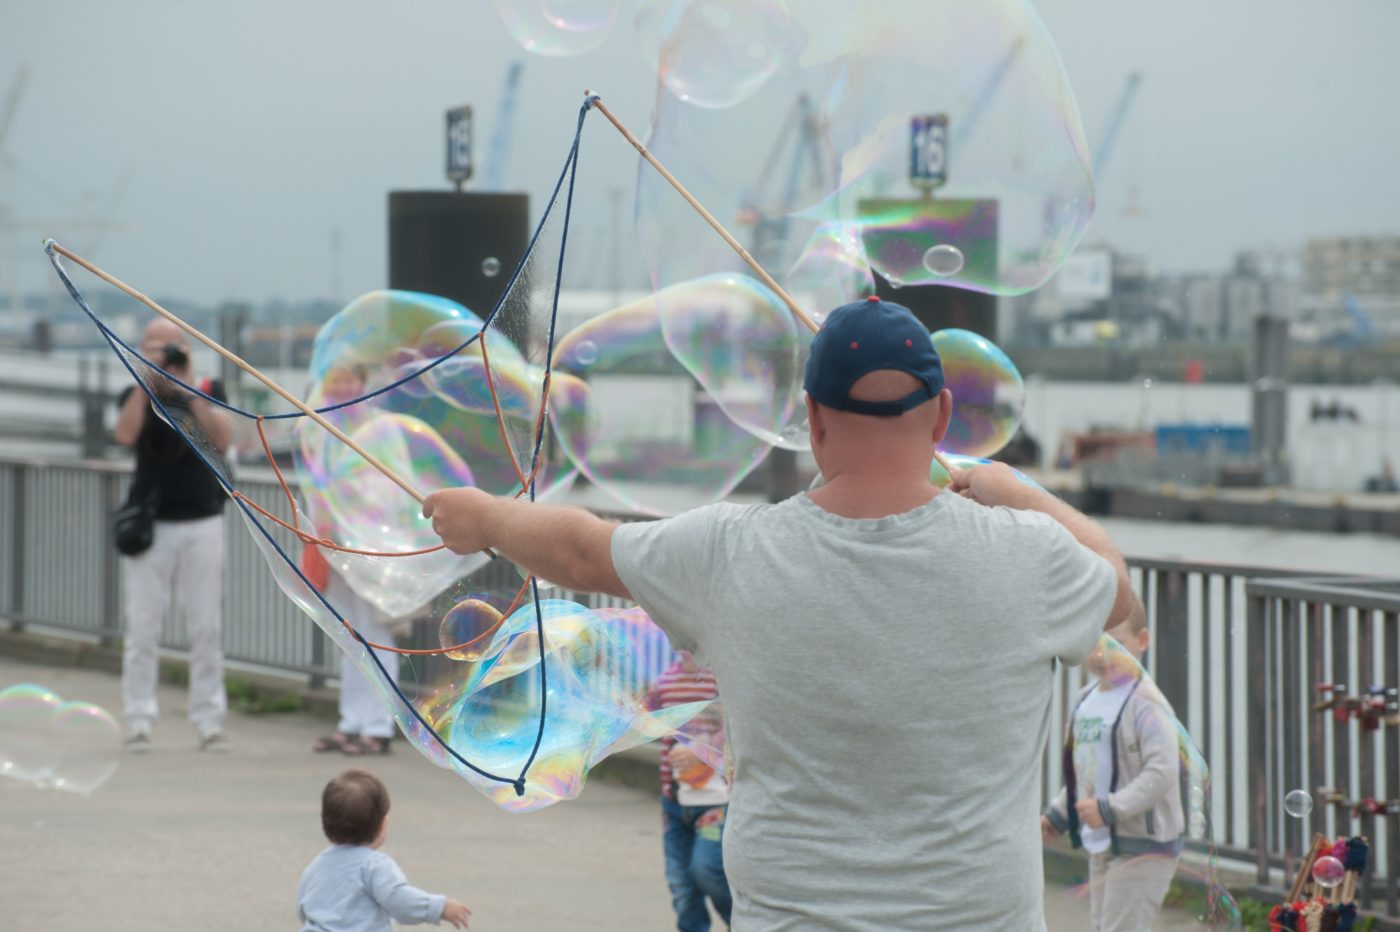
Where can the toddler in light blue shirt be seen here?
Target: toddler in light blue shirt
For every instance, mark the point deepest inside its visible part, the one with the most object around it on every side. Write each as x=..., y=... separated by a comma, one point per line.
x=354, y=887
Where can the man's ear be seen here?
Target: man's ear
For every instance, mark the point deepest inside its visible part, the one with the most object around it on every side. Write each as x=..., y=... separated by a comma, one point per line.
x=945, y=416
x=815, y=422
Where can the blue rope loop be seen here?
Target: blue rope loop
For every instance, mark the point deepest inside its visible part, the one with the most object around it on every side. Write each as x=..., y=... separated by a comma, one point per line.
x=124, y=351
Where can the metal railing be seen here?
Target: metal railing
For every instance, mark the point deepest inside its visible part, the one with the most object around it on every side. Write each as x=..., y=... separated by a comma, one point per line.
x=1237, y=650
x=58, y=570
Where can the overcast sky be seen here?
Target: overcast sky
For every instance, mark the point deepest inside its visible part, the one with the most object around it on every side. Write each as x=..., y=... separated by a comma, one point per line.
x=233, y=138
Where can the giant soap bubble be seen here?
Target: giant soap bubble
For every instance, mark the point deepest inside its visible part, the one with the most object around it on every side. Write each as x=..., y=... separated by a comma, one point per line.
x=715, y=53
x=557, y=28
x=70, y=746
x=988, y=393
x=635, y=421
x=431, y=418
x=1005, y=139
x=834, y=135
x=812, y=174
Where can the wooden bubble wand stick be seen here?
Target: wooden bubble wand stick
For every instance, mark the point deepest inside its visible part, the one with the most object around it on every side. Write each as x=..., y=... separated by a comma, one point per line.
x=287, y=396
x=718, y=227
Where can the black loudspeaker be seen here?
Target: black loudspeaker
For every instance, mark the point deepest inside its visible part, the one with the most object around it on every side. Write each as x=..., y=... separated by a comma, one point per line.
x=458, y=245
x=940, y=306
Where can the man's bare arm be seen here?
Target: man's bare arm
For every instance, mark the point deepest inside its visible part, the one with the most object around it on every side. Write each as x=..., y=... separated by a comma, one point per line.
x=131, y=418
x=567, y=546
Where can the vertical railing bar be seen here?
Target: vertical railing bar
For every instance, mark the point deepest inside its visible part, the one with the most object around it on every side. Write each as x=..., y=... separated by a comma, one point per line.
x=1340, y=675
x=1226, y=791
x=1290, y=745
x=1391, y=646
x=1366, y=741
x=1207, y=680
x=21, y=546
x=1256, y=683
x=1314, y=724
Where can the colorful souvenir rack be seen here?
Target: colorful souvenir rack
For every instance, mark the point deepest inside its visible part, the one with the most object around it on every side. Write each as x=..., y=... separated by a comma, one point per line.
x=1323, y=895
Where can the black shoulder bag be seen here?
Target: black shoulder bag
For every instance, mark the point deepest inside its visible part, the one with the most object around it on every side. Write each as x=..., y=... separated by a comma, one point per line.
x=134, y=524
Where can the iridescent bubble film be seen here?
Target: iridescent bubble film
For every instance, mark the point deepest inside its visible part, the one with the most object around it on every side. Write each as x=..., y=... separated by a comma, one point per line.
x=432, y=420
x=990, y=190
x=558, y=27
x=988, y=393
x=467, y=628
x=944, y=260
x=53, y=744
x=714, y=53
x=1003, y=166
x=831, y=271
x=27, y=750
x=741, y=344
x=636, y=422
x=939, y=476
x=1328, y=871
x=1297, y=803
x=88, y=741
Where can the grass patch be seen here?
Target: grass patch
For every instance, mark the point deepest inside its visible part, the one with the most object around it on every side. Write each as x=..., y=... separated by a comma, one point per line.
x=1254, y=914
x=254, y=700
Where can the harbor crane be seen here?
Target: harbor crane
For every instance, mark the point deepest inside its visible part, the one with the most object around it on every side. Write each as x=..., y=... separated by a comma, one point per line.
x=1114, y=129
x=501, y=132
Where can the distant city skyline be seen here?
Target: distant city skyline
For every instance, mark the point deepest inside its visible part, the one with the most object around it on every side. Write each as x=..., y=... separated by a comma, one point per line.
x=234, y=143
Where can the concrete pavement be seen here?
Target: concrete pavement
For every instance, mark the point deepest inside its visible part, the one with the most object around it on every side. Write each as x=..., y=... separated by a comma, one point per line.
x=178, y=839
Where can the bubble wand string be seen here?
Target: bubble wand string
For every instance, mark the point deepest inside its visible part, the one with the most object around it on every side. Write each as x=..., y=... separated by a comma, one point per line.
x=734, y=244
x=287, y=396
x=252, y=370
x=596, y=102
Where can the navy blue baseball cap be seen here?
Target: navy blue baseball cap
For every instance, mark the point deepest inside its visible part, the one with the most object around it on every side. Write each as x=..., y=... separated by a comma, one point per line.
x=864, y=337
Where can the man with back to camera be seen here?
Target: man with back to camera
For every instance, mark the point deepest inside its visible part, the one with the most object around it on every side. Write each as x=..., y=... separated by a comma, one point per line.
x=185, y=559
x=885, y=649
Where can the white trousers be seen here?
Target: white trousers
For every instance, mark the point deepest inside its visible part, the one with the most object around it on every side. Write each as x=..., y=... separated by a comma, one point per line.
x=184, y=566
x=362, y=710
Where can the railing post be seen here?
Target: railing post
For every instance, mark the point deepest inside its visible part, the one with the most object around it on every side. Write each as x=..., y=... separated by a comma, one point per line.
x=317, y=679
x=18, y=549
x=1256, y=675
x=1366, y=745
x=1315, y=726
x=1173, y=627
x=113, y=619
x=1390, y=626
x=1289, y=630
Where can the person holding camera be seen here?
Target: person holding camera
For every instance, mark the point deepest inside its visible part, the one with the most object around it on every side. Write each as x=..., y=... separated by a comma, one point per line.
x=171, y=535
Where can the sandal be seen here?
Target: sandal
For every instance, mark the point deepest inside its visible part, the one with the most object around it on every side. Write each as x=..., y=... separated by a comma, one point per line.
x=339, y=741
x=368, y=744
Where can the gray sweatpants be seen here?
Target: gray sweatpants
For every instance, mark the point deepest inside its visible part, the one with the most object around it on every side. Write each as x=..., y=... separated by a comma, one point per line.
x=1125, y=893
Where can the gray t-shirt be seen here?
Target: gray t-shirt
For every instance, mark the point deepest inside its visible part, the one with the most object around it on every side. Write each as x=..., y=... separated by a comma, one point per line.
x=887, y=683
x=353, y=888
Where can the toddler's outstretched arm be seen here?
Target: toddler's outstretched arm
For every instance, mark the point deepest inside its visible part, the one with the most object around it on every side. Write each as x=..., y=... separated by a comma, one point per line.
x=406, y=903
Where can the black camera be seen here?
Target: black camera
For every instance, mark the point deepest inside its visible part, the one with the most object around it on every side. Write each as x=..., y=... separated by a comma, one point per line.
x=175, y=357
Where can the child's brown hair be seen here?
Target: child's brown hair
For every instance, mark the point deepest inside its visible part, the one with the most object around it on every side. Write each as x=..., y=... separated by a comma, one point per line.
x=1137, y=618
x=353, y=807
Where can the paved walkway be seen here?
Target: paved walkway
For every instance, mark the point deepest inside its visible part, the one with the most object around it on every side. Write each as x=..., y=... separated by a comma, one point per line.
x=183, y=840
